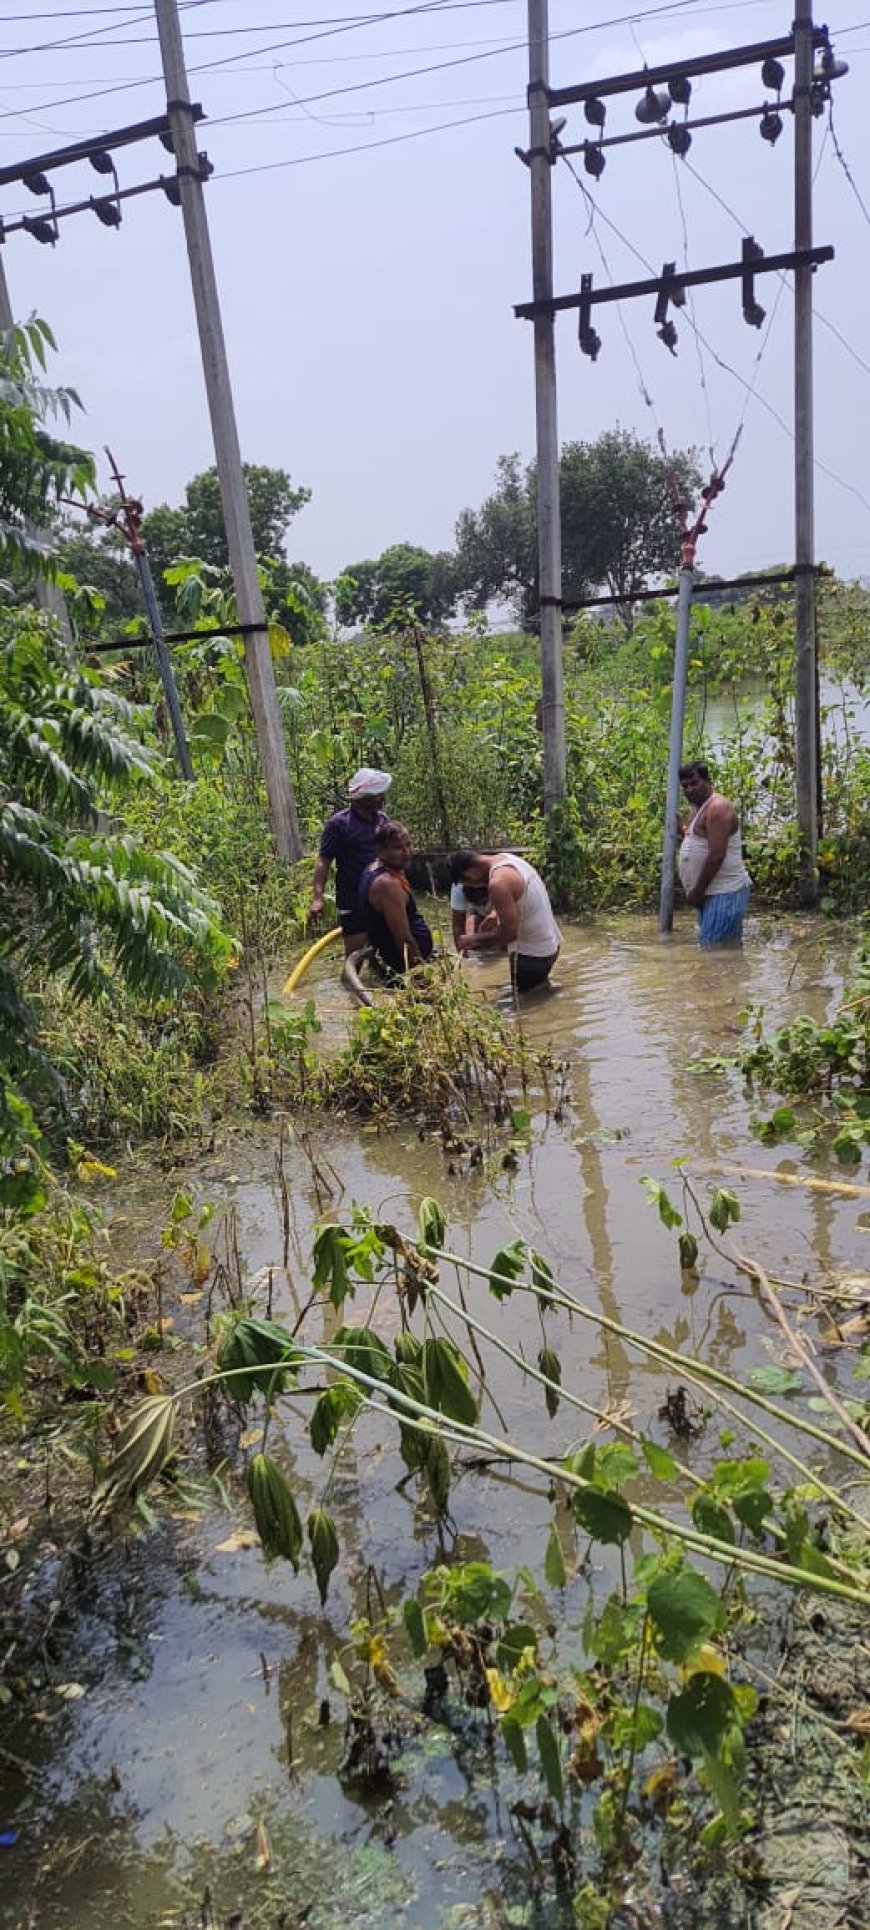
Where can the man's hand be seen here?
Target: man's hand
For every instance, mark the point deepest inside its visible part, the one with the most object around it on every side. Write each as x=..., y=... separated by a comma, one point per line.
x=315, y=913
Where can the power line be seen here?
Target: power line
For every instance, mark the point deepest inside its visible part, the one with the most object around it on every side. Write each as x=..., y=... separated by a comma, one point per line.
x=739, y=223
x=702, y=373
x=362, y=147
x=350, y=26
x=845, y=166
x=727, y=367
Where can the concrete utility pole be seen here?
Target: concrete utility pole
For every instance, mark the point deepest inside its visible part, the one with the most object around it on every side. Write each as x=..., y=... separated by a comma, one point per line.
x=678, y=719
x=234, y=496
x=806, y=678
x=549, y=527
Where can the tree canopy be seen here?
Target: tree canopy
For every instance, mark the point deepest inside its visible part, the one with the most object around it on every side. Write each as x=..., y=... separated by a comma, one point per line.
x=404, y=575
x=620, y=525
x=196, y=528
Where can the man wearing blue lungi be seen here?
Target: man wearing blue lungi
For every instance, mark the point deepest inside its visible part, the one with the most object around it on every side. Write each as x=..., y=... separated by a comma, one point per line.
x=712, y=872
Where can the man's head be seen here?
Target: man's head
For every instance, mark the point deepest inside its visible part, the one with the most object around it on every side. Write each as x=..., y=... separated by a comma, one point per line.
x=471, y=870
x=393, y=845
x=695, y=780
x=367, y=791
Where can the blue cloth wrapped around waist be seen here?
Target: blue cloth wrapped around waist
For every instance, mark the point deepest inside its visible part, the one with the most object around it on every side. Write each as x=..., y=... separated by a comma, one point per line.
x=721, y=916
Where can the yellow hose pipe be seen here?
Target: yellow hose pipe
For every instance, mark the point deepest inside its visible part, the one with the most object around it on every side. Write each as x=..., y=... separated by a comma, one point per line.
x=300, y=969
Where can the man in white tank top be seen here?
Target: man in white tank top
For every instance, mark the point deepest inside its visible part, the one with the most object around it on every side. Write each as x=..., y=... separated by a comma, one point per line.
x=712, y=872
x=527, y=930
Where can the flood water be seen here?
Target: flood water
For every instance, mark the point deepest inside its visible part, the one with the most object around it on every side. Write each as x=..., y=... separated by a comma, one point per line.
x=204, y=1672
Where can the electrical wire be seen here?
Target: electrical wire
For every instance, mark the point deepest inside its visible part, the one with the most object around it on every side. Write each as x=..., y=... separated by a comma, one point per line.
x=819, y=314
x=702, y=372
x=721, y=363
x=845, y=166
x=350, y=26
x=643, y=386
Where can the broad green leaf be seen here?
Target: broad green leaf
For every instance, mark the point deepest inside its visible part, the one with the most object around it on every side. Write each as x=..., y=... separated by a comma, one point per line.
x=614, y=1464
x=684, y=1611
x=724, y=1207
x=775, y=1380
x=364, y=1350
x=412, y=1615
x=712, y=1519
x=752, y=1506
x=550, y=1364
x=330, y=1264
x=324, y=1548
x=515, y=1743
x=509, y=1265
x=478, y=1593
x=551, y=1759
x=605, y=1516
x=268, y=1354
x=445, y=1379
x=275, y=1512
x=659, y=1461
x=688, y=1246
x=437, y=1466
x=339, y=1678
x=334, y=1406
x=513, y=1642
x=555, y=1572
x=431, y=1223
x=543, y=1279
x=701, y=1714
x=658, y=1198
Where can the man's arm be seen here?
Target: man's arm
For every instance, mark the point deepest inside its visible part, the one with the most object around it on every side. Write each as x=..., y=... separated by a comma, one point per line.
x=505, y=893
x=321, y=873
x=391, y=901
x=459, y=921
x=720, y=821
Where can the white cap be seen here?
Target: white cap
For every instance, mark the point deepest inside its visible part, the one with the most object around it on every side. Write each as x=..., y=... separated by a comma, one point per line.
x=369, y=783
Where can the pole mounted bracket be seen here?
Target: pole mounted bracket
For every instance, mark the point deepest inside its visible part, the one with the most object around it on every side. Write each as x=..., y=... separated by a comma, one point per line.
x=671, y=294
x=587, y=336
x=753, y=313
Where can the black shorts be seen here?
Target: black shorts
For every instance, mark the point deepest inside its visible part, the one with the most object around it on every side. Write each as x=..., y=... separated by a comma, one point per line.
x=350, y=919
x=528, y=972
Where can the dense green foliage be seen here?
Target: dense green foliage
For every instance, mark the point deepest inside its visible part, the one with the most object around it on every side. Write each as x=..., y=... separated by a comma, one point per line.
x=36, y=466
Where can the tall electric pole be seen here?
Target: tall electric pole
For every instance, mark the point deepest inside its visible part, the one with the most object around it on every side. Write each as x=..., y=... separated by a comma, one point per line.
x=806, y=680
x=540, y=160
x=234, y=495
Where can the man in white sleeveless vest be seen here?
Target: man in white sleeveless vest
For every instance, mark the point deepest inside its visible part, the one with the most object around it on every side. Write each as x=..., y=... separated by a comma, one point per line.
x=527, y=930
x=712, y=872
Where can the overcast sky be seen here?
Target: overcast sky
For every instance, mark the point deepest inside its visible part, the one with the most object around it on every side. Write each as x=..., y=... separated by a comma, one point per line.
x=368, y=295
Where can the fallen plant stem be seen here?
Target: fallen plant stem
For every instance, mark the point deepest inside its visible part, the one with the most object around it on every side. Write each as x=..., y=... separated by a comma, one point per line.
x=632, y=1434
x=771, y=1299
x=559, y=1297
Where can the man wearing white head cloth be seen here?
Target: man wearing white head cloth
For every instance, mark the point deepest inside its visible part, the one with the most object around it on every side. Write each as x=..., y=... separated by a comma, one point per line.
x=348, y=841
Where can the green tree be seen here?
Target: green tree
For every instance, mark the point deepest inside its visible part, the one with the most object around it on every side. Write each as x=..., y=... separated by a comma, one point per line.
x=197, y=527
x=620, y=525
x=37, y=468
x=101, y=562
x=75, y=899
x=406, y=577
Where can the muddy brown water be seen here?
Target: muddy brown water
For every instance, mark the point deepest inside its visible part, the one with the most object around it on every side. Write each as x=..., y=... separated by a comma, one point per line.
x=203, y=1671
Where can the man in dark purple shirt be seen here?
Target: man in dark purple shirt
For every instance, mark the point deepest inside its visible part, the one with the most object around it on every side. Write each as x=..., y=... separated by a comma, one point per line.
x=348, y=841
